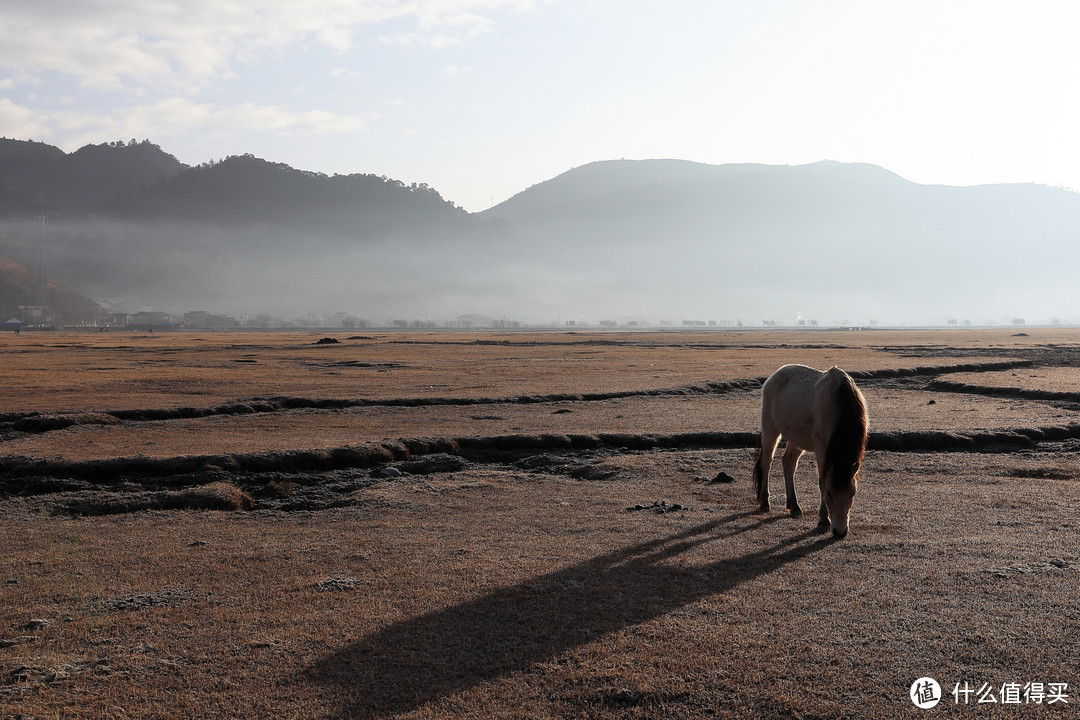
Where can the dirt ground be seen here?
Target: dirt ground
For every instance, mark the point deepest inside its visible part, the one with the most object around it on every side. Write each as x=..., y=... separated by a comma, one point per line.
x=505, y=525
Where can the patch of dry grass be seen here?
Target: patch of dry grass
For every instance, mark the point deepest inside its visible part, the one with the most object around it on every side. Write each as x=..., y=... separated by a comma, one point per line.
x=1053, y=379
x=524, y=586
x=212, y=496
x=68, y=372
x=497, y=593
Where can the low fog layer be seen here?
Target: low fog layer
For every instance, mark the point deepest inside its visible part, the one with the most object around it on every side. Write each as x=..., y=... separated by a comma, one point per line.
x=839, y=243
x=620, y=240
x=255, y=269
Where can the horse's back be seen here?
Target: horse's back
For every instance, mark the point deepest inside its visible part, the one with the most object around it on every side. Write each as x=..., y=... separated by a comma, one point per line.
x=789, y=383
x=794, y=373
x=788, y=404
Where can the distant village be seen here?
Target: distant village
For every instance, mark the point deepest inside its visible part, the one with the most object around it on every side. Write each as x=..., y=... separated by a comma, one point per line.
x=44, y=318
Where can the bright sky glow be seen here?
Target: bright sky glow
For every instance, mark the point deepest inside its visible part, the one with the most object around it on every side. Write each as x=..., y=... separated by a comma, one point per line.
x=483, y=98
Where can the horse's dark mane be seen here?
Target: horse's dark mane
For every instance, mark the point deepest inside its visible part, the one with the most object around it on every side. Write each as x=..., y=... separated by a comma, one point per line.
x=848, y=441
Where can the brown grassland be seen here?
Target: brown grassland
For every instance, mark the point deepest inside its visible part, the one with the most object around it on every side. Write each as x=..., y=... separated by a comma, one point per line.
x=486, y=525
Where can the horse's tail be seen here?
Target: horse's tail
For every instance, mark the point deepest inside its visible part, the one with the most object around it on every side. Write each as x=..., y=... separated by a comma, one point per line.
x=847, y=444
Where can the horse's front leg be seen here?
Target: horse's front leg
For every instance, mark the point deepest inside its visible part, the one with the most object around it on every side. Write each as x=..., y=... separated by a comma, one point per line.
x=791, y=463
x=823, y=511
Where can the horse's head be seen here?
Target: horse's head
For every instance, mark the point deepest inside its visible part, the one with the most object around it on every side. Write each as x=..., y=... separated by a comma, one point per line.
x=844, y=454
x=839, y=495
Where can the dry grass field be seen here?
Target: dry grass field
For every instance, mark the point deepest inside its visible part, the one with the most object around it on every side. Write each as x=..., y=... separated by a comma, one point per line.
x=259, y=525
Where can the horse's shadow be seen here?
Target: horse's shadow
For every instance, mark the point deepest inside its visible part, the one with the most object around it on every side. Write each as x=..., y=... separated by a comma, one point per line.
x=412, y=662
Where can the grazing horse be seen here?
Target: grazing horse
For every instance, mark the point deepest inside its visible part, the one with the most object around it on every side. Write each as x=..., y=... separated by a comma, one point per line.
x=816, y=411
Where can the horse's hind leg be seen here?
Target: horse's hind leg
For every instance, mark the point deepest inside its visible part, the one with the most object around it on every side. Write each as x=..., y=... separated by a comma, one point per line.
x=791, y=463
x=769, y=440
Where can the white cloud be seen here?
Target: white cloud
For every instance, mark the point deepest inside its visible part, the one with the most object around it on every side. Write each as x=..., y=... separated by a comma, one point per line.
x=19, y=121
x=436, y=41
x=174, y=118
x=340, y=73
x=18, y=78
x=186, y=45
x=249, y=116
x=456, y=71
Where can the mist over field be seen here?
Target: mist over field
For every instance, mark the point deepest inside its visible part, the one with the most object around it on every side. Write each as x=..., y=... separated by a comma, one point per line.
x=618, y=241
x=427, y=161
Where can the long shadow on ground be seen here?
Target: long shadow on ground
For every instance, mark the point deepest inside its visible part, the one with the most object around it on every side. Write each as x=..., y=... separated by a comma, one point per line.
x=432, y=656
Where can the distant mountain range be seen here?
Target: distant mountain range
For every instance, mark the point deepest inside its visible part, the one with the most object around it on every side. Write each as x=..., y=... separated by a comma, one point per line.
x=842, y=243
x=41, y=179
x=131, y=227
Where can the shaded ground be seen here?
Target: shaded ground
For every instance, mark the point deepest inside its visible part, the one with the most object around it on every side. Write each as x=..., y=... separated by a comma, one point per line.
x=506, y=558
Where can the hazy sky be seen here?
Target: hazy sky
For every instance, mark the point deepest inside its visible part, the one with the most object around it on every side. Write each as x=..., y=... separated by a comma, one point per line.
x=483, y=98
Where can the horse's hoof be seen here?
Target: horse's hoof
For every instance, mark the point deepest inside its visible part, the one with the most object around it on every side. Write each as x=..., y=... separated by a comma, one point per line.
x=795, y=512
x=764, y=508
x=838, y=534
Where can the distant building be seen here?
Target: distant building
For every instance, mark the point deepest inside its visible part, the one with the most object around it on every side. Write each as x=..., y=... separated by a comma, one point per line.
x=37, y=315
x=151, y=320
x=472, y=321
x=117, y=320
x=203, y=319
